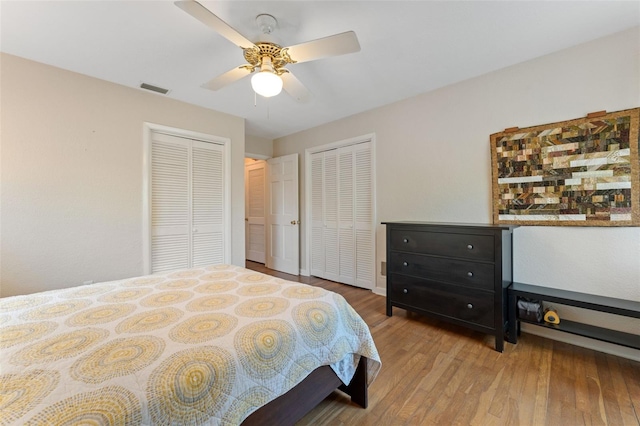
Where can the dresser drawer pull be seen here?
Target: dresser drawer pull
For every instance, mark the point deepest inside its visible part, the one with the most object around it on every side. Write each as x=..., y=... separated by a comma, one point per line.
x=405, y=240
x=405, y=263
x=405, y=291
x=470, y=306
x=470, y=246
x=469, y=274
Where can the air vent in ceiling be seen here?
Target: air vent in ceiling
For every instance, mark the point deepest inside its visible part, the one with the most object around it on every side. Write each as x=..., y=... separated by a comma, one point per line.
x=154, y=88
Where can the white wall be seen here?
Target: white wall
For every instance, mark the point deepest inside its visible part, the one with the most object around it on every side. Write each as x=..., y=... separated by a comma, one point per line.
x=71, y=174
x=433, y=161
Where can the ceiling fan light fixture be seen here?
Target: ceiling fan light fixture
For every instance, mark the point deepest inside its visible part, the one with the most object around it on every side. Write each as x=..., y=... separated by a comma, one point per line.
x=266, y=83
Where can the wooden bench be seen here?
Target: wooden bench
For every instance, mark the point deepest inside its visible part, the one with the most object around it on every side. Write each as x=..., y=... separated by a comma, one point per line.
x=609, y=305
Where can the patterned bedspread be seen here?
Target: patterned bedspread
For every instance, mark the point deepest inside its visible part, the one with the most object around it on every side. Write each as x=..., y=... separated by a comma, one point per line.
x=197, y=346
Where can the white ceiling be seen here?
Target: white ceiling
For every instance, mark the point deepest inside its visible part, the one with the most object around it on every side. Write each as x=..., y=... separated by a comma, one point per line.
x=408, y=47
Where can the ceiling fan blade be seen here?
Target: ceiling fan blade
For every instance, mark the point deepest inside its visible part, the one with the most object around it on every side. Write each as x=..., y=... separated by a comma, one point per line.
x=207, y=17
x=227, y=78
x=294, y=87
x=338, y=44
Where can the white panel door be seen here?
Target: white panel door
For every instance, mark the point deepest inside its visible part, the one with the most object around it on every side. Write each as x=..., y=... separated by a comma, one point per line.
x=283, y=251
x=255, y=241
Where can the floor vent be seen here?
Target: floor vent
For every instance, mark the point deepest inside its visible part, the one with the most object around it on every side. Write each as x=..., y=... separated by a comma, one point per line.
x=154, y=88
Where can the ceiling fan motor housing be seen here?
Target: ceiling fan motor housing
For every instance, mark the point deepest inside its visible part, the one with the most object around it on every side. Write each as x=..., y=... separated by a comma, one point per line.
x=278, y=55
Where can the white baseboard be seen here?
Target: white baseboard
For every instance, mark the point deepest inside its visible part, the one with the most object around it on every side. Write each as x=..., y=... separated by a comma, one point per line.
x=380, y=291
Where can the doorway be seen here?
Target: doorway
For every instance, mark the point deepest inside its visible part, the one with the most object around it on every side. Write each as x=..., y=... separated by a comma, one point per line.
x=255, y=202
x=272, y=219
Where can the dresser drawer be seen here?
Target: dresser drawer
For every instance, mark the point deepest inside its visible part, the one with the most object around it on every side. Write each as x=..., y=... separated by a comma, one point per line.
x=466, y=304
x=473, y=274
x=475, y=247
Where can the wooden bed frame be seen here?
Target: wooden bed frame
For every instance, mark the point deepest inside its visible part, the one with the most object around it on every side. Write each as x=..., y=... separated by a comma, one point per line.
x=287, y=409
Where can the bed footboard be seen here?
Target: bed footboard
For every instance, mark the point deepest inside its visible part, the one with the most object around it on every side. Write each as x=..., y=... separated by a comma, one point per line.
x=287, y=409
x=357, y=389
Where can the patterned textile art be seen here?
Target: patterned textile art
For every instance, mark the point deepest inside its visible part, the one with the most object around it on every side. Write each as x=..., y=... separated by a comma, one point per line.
x=190, y=347
x=582, y=172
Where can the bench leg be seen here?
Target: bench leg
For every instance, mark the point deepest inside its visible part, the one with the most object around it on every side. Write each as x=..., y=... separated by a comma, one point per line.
x=514, y=324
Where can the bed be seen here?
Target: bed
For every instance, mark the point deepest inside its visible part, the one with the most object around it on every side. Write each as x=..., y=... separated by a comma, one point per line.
x=217, y=345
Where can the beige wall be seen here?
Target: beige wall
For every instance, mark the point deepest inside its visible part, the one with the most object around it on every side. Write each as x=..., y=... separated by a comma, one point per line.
x=257, y=147
x=71, y=175
x=433, y=160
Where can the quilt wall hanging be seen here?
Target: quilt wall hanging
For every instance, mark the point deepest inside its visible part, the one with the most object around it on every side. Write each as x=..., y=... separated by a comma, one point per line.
x=582, y=172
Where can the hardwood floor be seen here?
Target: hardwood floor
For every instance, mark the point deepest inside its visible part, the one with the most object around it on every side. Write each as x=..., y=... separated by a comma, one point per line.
x=434, y=373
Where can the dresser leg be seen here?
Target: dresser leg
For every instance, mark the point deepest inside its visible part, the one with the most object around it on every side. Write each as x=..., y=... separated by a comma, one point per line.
x=389, y=310
x=500, y=342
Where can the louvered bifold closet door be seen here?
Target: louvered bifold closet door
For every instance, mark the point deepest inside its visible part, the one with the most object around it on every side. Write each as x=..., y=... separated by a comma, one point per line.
x=331, y=248
x=170, y=187
x=207, y=204
x=346, y=236
x=317, y=215
x=342, y=227
x=363, y=215
x=187, y=203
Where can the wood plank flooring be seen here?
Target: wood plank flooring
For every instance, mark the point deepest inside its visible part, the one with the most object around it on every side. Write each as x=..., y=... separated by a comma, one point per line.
x=434, y=373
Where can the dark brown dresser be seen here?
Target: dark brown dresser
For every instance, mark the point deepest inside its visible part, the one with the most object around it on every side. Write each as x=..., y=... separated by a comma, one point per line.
x=451, y=271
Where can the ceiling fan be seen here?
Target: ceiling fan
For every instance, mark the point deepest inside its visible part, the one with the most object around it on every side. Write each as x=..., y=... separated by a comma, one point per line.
x=268, y=60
